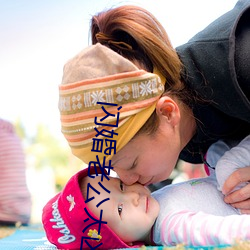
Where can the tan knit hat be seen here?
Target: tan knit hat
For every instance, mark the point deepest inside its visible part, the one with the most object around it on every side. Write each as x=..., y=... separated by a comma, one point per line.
x=127, y=95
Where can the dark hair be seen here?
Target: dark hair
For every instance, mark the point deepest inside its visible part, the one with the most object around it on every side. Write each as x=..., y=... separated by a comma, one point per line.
x=137, y=35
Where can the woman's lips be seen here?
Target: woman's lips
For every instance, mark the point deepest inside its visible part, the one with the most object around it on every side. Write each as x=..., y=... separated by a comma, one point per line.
x=148, y=183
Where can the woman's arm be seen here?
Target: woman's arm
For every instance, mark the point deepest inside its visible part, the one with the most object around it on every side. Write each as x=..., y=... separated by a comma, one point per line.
x=240, y=198
x=237, y=157
x=231, y=162
x=233, y=175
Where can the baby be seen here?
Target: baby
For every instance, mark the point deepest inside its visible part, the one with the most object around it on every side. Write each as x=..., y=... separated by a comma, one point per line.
x=95, y=210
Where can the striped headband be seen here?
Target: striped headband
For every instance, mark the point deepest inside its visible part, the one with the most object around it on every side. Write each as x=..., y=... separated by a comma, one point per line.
x=104, y=98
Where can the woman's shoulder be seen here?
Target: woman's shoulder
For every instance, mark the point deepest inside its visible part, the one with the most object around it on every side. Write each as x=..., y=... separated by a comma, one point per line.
x=209, y=65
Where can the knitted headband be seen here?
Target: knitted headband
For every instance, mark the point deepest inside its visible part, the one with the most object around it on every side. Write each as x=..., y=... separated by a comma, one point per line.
x=104, y=100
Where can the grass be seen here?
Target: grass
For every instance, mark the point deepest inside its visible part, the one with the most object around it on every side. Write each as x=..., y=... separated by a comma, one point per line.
x=239, y=245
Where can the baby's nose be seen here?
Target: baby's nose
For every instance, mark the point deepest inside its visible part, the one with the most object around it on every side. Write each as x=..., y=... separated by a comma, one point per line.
x=133, y=197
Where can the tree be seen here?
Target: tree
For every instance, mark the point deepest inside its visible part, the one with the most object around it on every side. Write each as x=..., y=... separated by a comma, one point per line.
x=45, y=150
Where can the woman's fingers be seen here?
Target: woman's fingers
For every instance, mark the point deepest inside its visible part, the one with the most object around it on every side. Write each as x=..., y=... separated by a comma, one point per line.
x=240, y=198
x=245, y=211
x=239, y=176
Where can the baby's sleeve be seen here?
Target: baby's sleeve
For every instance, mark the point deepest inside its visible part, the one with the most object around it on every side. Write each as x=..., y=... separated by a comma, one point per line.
x=214, y=153
x=201, y=229
x=233, y=159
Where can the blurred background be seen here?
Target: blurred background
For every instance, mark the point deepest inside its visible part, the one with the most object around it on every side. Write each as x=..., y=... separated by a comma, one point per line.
x=37, y=38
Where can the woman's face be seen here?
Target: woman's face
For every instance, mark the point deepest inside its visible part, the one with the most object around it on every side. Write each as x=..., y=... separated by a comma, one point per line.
x=148, y=159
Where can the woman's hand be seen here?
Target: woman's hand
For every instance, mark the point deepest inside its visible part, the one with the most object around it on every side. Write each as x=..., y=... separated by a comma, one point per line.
x=241, y=197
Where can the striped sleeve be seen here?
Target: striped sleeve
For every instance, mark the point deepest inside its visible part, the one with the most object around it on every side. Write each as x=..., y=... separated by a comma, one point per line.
x=201, y=229
x=15, y=200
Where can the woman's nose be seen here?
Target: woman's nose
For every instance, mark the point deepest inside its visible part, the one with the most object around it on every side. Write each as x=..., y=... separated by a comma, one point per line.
x=126, y=177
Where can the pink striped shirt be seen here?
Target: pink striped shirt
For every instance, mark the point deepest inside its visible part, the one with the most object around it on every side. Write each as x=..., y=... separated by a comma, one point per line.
x=15, y=200
x=202, y=229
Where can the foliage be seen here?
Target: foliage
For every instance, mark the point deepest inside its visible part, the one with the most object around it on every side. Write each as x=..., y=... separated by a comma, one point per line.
x=45, y=150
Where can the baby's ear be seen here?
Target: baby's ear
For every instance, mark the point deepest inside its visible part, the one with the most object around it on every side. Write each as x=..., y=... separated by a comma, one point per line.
x=168, y=109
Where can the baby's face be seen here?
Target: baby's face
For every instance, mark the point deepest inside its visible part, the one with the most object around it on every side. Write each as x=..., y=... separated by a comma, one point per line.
x=131, y=210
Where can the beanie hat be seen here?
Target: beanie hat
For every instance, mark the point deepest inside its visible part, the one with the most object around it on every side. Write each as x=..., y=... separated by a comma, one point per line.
x=69, y=224
x=97, y=84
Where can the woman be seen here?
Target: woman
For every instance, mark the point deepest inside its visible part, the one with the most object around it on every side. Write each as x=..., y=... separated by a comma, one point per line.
x=206, y=96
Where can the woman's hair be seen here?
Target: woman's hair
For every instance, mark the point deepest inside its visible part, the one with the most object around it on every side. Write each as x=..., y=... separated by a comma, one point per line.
x=137, y=35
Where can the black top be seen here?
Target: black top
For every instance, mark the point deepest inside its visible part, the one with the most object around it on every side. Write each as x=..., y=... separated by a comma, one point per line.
x=217, y=67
